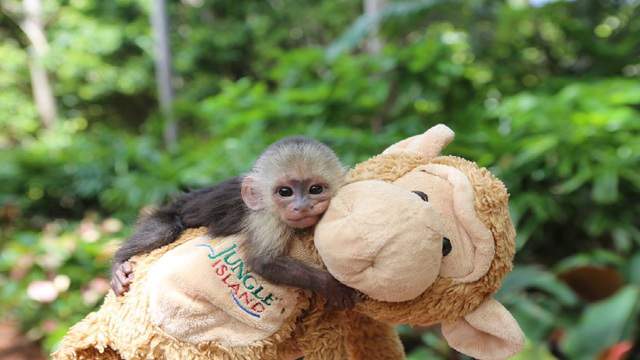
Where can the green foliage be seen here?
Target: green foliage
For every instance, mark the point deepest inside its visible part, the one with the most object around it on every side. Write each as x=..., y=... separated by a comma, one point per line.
x=604, y=324
x=547, y=96
x=571, y=154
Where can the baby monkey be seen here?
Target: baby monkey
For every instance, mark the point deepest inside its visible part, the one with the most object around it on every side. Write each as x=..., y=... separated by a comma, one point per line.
x=278, y=201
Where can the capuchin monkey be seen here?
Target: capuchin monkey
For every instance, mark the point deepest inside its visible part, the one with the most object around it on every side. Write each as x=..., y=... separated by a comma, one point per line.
x=280, y=200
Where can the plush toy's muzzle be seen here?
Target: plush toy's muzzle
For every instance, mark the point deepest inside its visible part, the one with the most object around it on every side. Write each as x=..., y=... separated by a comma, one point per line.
x=394, y=257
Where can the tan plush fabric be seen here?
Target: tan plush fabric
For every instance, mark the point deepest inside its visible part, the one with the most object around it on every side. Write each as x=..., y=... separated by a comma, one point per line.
x=428, y=144
x=489, y=330
x=465, y=213
x=441, y=197
x=471, y=234
x=374, y=246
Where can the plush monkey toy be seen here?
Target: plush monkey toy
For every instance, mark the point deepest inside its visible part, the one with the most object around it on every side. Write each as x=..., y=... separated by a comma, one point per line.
x=426, y=239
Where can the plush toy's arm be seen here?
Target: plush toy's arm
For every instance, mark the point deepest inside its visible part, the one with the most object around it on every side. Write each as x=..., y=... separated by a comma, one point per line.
x=371, y=339
x=323, y=335
x=348, y=335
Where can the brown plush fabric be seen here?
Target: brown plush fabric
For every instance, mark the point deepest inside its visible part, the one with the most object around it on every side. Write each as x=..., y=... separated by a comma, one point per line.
x=386, y=167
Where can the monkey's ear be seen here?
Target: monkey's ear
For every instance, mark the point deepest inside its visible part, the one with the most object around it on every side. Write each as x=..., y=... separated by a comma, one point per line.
x=250, y=194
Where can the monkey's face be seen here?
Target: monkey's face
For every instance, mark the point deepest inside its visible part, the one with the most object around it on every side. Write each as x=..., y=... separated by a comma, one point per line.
x=301, y=203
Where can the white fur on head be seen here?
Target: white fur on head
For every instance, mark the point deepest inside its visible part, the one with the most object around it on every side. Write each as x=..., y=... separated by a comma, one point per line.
x=295, y=157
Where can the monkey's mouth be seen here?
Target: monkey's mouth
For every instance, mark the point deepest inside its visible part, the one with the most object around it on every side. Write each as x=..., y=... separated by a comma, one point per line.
x=303, y=221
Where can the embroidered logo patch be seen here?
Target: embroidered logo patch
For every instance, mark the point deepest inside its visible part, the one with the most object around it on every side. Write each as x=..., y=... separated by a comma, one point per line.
x=202, y=290
x=247, y=292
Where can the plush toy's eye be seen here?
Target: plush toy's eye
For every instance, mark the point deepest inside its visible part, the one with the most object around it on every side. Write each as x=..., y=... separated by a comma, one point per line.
x=446, y=246
x=285, y=191
x=316, y=189
x=422, y=195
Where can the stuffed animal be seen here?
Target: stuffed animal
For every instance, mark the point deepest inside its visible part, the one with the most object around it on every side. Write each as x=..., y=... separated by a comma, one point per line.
x=426, y=239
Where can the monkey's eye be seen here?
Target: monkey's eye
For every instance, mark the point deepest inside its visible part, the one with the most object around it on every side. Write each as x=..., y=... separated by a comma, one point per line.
x=446, y=246
x=285, y=191
x=316, y=189
x=422, y=195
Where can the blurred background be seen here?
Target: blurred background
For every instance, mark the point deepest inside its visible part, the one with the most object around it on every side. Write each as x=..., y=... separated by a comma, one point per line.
x=110, y=106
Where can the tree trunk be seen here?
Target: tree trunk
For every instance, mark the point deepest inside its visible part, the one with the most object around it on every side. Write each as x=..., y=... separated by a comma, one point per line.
x=43, y=94
x=159, y=21
x=373, y=45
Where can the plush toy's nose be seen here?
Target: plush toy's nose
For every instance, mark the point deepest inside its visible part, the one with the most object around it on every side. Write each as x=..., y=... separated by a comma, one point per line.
x=382, y=240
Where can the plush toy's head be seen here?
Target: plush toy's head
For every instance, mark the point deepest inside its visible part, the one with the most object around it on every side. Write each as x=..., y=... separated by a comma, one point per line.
x=428, y=240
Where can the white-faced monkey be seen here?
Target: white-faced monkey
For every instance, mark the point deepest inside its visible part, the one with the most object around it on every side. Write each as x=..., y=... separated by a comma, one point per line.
x=283, y=196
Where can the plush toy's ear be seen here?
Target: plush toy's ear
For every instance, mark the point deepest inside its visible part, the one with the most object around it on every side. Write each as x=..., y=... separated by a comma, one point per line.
x=429, y=144
x=250, y=194
x=489, y=332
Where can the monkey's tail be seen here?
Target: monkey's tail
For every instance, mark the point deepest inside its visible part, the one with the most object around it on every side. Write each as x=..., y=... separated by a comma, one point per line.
x=157, y=229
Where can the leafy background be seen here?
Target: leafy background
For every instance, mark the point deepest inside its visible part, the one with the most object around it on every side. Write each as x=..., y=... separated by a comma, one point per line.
x=544, y=93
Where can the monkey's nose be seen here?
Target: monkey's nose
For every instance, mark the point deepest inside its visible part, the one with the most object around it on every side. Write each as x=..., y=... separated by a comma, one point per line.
x=301, y=209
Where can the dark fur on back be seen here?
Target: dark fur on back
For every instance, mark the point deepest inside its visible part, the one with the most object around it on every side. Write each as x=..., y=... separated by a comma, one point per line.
x=220, y=208
x=154, y=230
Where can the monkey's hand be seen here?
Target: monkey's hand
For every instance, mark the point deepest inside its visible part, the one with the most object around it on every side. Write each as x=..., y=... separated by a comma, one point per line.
x=121, y=277
x=338, y=295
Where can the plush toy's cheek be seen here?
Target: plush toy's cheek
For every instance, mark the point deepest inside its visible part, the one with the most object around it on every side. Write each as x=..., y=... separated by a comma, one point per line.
x=382, y=240
x=440, y=196
x=451, y=194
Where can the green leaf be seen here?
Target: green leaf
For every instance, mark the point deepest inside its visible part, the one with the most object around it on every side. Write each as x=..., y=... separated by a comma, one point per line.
x=605, y=187
x=634, y=270
x=525, y=277
x=535, y=147
x=535, y=320
x=603, y=324
x=533, y=351
x=575, y=182
x=423, y=353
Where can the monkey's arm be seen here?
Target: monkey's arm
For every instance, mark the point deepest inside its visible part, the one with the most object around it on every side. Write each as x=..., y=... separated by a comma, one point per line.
x=161, y=227
x=284, y=270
